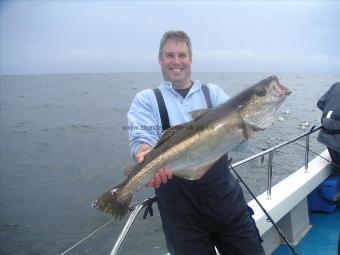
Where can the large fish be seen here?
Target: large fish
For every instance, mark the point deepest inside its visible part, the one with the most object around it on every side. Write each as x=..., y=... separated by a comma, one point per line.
x=189, y=150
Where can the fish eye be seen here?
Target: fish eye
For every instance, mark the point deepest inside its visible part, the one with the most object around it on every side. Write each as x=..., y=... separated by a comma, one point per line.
x=260, y=92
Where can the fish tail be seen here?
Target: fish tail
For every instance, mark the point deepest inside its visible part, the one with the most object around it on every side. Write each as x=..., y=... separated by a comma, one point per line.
x=114, y=202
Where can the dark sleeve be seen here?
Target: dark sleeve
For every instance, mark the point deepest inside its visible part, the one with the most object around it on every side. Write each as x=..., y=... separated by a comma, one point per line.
x=321, y=103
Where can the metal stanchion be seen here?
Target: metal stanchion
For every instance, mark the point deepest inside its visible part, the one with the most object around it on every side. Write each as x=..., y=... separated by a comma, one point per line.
x=270, y=175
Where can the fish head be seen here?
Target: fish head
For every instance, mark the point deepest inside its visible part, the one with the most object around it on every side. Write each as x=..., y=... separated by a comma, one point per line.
x=259, y=103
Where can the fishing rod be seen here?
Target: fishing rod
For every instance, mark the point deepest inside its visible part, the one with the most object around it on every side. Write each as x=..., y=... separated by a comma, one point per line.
x=270, y=219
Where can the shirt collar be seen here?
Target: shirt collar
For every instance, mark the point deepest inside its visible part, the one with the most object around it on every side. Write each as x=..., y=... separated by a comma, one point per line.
x=196, y=86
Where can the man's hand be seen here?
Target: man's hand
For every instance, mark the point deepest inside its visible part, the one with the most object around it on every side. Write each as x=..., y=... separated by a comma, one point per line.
x=162, y=175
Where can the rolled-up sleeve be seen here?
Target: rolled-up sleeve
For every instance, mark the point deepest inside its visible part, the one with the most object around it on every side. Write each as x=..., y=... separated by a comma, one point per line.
x=142, y=121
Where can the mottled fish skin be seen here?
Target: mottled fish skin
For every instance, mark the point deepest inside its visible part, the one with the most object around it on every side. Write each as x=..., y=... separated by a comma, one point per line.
x=190, y=149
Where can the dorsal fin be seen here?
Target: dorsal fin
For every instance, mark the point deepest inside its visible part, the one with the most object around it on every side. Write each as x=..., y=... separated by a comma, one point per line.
x=168, y=133
x=198, y=113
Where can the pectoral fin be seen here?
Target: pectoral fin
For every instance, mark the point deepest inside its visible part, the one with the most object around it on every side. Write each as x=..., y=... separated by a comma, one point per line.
x=253, y=126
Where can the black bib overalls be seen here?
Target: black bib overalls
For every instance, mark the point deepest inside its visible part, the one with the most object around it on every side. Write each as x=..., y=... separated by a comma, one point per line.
x=201, y=214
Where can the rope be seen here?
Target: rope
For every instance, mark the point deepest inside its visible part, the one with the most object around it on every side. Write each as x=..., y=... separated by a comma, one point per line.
x=147, y=202
x=87, y=237
x=317, y=154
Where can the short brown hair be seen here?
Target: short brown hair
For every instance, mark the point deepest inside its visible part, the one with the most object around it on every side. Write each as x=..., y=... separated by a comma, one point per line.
x=177, y=36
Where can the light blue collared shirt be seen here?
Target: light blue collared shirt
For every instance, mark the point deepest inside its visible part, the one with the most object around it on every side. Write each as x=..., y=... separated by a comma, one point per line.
x=144, y=121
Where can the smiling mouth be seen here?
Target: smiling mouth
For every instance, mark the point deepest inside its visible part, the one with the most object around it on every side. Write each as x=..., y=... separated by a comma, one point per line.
x=176, y=70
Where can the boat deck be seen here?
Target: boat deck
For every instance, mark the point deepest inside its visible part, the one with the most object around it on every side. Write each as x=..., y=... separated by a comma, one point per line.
x=322, y=238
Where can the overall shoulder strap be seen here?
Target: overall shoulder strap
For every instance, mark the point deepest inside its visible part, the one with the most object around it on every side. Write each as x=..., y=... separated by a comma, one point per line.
x=162, y=109
x=164, y=112
x=206, y=93
x=207, y=97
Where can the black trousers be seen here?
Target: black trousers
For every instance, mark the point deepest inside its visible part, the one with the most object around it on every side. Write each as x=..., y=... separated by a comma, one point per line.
x=335, y=156
x=199, y=215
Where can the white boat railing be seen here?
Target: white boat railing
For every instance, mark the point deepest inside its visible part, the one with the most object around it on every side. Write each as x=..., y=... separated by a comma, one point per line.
x=135, y=209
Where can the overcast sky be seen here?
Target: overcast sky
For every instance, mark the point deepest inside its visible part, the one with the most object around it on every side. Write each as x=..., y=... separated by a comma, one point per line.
x=110, y=36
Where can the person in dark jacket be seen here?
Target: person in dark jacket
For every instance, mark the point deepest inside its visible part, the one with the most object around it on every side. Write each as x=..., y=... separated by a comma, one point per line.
x=329, y=135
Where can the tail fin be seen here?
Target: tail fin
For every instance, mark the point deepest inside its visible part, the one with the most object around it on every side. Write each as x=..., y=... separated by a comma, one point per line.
x=114, y=202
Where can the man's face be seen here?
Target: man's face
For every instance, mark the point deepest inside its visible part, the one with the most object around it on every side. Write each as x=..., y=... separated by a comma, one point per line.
x=176, y=63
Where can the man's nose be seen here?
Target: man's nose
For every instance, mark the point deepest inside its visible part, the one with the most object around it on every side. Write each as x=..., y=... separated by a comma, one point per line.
x=176, y=59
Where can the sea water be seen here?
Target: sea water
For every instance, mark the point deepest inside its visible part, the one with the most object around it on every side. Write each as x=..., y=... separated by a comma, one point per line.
x=63, y=143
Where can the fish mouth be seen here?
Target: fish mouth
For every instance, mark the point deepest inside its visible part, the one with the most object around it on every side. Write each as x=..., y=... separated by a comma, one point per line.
x=280, y=92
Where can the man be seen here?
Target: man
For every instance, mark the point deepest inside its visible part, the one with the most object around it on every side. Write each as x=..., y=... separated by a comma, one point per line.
x=196, y=215
x=330, y=133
